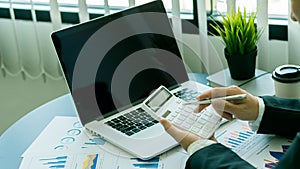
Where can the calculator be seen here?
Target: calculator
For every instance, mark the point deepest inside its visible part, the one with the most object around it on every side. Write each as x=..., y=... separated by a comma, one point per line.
x=163, y=104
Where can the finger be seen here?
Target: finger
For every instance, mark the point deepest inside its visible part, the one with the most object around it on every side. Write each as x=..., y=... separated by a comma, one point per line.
x=216, y=92
x=225, y=106
x=166, y=124
x=223, y=114
x=227, y=116
x=175, y=132
x=200, y=108
x=293, y=17
x=183, y=137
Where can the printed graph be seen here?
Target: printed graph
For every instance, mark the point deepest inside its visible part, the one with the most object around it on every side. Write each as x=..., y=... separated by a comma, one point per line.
x=269, y=164
x=54, y=162
x=237, y=137
x=145, y=164
x=90, y=162
x=93, y=141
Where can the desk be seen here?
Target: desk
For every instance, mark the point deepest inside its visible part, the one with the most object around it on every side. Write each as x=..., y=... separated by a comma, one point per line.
x=14, y=141
x=259, y=85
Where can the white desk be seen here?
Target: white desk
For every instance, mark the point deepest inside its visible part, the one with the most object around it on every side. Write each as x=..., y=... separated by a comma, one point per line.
x=261, y=84
x=16, y=139
x=19, y=136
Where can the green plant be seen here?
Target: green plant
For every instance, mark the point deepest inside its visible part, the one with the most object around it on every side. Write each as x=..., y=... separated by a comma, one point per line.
x=238, y=33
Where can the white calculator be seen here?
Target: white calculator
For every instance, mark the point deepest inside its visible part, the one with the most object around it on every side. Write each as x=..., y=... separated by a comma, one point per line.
x=162, y=103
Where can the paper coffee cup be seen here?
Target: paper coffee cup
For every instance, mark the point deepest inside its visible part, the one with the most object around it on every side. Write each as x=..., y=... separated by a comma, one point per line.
x=287, y=81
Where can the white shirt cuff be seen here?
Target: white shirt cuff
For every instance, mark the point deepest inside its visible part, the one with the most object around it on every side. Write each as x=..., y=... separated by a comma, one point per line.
x=199, y=144
x=254, y=125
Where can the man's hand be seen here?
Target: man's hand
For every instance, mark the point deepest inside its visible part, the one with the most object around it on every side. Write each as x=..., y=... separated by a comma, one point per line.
x=183, y=137
x=246, y=109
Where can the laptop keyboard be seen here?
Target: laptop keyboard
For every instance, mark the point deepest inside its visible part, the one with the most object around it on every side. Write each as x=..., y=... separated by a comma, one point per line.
x=132, y=122
x=138, y=120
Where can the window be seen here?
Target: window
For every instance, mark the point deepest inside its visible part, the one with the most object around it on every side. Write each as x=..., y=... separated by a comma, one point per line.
x=277, y=13
x=278, y=9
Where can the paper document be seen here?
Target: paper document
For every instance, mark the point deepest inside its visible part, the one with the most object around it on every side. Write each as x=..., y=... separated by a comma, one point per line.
x=66, y=135
x=65, y=144
x=261, y=150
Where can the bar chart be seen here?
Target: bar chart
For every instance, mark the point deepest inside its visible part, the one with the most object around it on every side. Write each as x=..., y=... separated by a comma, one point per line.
x=277, y=155
x=145, y=164
x=54, y=162
x=260, y=150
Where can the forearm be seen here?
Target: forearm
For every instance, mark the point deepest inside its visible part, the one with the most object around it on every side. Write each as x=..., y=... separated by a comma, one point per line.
x=216, y=156
x=281, y=116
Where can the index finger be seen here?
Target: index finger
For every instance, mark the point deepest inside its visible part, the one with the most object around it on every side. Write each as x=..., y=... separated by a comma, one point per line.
x=215, y=92
x=220, y=92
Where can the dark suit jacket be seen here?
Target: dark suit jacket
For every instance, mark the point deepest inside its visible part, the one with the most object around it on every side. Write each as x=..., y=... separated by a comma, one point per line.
x=281, y=117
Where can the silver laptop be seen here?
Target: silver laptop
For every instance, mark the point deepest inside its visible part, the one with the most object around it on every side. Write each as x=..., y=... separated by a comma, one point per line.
x=112, y=63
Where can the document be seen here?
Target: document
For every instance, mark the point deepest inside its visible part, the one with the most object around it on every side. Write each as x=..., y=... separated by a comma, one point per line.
x=65, y=144
x=66, y=135
x=260, y=150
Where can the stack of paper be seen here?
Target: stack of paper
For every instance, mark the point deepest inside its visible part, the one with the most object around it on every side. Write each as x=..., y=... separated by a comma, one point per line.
x=64, y=143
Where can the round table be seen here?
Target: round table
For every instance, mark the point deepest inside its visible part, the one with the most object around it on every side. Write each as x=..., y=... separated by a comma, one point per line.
x=16, y=139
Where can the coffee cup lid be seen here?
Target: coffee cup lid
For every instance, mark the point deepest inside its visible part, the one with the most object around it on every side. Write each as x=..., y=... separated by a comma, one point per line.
x=287, y=73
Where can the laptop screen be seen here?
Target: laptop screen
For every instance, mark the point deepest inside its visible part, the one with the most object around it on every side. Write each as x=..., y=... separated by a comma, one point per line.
x=115, y=61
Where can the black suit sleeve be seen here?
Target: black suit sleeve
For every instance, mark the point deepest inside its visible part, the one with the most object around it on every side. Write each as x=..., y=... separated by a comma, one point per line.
x=291, y=159
x=216, y=156
x=281, y=116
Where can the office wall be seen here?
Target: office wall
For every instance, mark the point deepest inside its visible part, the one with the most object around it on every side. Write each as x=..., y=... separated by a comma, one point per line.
x=23, y=88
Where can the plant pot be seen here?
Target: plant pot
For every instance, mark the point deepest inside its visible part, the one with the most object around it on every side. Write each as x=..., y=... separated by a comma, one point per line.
x=241, y=67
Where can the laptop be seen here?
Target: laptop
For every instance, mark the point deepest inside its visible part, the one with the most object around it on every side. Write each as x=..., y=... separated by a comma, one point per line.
x=112, y=63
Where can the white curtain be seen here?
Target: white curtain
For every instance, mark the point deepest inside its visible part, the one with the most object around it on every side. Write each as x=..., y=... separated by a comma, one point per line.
x=26, y=47
x=262, y=24
x=38, y=58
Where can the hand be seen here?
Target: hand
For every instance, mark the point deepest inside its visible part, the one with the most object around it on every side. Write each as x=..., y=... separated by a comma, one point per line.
x=295, y=10
x=183, y=137
x=246, y=109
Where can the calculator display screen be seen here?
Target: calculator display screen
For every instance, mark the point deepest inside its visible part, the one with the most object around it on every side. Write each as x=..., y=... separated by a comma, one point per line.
x=158, y=100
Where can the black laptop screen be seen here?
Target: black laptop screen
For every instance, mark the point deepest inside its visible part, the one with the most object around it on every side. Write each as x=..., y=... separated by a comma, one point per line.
x=115, y=61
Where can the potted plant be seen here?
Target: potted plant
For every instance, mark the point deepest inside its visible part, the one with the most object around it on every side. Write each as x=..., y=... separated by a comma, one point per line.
x=240, y=37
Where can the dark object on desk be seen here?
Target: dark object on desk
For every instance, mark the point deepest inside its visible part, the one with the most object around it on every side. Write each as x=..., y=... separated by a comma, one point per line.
x=242, y=67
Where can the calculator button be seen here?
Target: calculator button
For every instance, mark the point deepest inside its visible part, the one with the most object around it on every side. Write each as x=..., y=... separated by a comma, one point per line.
x=177, y=121
x=171, y=118
x=181, y=117
x=188, y=109
x=185, y=113
x=195, y=129
x=201, y=121
x=193, y=117
x=186, y=125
